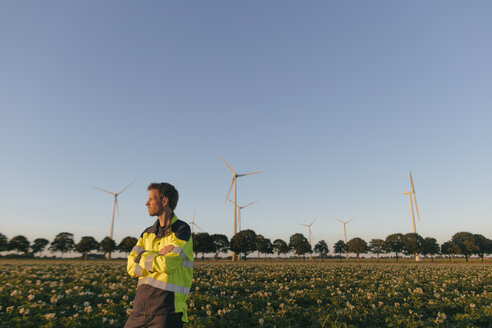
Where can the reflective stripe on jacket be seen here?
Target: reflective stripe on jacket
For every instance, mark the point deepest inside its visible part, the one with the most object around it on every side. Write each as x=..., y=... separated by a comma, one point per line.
x=164, y=281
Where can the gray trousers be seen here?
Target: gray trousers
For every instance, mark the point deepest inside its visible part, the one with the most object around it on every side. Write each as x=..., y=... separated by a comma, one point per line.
x=140, y=320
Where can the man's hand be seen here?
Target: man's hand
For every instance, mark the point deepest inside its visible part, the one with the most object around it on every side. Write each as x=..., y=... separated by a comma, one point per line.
x=166, y=250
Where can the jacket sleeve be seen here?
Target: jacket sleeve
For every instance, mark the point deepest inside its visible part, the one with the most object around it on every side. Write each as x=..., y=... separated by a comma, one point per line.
x=132, y=266
x=180, y=255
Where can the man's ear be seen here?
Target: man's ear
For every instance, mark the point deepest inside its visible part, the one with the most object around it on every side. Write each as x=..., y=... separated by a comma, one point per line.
x=164, y=201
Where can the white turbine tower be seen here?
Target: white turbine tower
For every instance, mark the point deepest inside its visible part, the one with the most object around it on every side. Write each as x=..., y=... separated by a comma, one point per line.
x=115, y=206
x=234, y=182
x=345, y=233
x=239, y=208
x=413, y=200
x=310, y=233
x=193, y=224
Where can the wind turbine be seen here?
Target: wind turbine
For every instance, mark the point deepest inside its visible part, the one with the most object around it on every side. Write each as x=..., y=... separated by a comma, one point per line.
x=192, y=223
x=115, y=206
x=234, y=182
x=239, y=208
x=413, y=200
x=310, y=233
x=345, y=233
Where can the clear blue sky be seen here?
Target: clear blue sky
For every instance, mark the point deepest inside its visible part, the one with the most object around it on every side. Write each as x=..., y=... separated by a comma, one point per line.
x=336, y=101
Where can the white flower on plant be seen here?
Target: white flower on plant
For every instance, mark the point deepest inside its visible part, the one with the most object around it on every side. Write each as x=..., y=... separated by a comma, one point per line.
x=49, y=316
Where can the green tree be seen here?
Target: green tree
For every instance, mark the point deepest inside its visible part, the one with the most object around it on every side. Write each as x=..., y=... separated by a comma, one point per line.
x=377, y=246
x=466, y=243
x=244, y=242
x=4, y=244
x=108, y=246
x=63, y=243
x=395, y=243
x=484, y=245
x=39, y=245
x=299, y=244
x=358, y=246
x=263, y=245
x=280, y=247
x=339, y=248
x=413, y=243
x=430, y=247
x=203, y=243
x=450, y=248
x=86, y=244
x=322, y=249
x=221, y=244
x=19, y=243
x=127, y=244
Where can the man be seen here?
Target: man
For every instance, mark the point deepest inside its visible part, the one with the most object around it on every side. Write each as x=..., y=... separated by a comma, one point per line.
x=163, y=262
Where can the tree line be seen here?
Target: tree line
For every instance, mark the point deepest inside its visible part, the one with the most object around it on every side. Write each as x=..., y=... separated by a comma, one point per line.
x=64, y=243
x=247, y=241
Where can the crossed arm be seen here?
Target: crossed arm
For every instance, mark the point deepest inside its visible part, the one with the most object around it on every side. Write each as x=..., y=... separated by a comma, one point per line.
x=142, y=263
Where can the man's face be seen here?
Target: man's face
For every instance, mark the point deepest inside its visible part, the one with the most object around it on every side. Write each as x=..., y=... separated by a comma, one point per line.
x=155, y=204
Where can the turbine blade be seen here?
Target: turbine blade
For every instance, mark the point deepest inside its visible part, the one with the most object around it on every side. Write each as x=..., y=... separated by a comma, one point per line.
x=249, y=204
x=230, y=168
x=348, y=221
x=341, y=221
x=196, y=225
x=411, y=182
x=416, y=207
x=245, y=174
x=233, y=202
x=230, y=187
x=313, y=221
x=126, y=187
x=109, y=192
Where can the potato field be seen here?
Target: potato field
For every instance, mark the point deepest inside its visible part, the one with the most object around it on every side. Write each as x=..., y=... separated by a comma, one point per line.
x=38, y=293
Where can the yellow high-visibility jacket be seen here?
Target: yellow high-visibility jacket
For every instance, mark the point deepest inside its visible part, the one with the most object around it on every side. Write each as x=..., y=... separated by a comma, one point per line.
x=164, y=281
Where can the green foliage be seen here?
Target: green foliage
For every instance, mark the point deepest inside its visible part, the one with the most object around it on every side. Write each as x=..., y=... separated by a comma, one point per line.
x=263, y=245
x=340, y=247
x=358, y=246
x=299, y=244
x=86, y=244
x=107, y=245
x=63, y=243
x=321, y=248
x=280, y=247
x=20, y=244
x=466, y=243
x=244, y=242
x=413, y=243
x=221, y=244
x=127, y=244
x=395, y=243
x=377, y=246
x=39, y=245
x=203, y=243
x=430, y=247
x=4, y=245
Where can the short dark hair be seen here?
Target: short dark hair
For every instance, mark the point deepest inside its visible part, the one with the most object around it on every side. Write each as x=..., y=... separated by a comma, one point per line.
x=166, y=190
